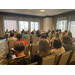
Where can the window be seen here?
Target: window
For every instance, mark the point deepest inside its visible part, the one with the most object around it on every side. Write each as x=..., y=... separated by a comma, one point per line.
x=10, y=25
x=23, y=25
x=73, y=28
x=62, y=24
x=34, y=25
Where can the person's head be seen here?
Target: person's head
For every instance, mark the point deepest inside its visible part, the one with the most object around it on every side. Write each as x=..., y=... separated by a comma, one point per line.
x=57, y=43
x=17, y=31
x=43, y=47
x=66, y=31
x=39, y=35
x=6, y=30
x=43, y=36
x=66, y=39
x=52, y=32
x=26, y=32
x=13, y=30
x=10, y=31
x=44, y=31
x=19, y=36
x=63, y=33
x=57, y=30
x=19, y=46
x=57, y=34
x=11, y=34
x=69, y=33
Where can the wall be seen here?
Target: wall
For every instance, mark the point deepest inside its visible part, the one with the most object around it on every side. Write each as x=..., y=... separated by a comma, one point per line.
x=47, y=24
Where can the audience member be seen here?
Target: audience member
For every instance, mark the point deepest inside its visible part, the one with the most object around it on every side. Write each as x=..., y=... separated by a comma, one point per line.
x=43, y=51
x=60, y=31
x=25, y=34
x=32, y=33
x=69, y=34
x=12, y=38
x=58, y=49
x=61, y=37
x=52, y=35
x=14, y=31
x=39, y=37
x=67, y=43
x=6, y=31
x=19, y=38
x=22, y=31
x=57, y=36
x=21, y=59
x=66, y=31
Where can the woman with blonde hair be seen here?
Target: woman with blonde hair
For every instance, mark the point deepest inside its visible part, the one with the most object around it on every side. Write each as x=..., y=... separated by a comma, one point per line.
x=43, y=51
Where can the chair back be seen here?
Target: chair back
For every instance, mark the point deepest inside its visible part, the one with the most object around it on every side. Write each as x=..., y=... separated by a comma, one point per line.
x=35, y=63
x=26, y=50
x=64, y=58
x=34, y=48
x=11, y=44
x=73, y=57
x=48, y=60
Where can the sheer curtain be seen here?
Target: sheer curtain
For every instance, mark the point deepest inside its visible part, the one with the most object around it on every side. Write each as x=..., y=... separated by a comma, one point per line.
x=34, y=24
x=71, y=25
x=62, y=23
x=10, y=23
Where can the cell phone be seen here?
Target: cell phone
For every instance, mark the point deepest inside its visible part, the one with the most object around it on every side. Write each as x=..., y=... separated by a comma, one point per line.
x=14, y=56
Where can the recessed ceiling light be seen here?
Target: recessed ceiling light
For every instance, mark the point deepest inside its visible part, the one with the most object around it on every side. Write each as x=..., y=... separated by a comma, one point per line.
x=42, y=10
x=30, y=9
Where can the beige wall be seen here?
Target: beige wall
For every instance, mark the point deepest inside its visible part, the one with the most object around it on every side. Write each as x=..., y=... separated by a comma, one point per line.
x=47, y=24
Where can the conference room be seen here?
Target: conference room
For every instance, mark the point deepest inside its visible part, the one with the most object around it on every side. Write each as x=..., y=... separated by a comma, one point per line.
x=43, y=31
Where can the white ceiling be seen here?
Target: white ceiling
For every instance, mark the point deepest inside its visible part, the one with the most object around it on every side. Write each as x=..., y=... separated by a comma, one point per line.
x=49, y=12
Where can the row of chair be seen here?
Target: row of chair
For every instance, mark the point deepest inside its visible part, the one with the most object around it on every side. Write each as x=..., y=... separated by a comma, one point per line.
x=64, y=59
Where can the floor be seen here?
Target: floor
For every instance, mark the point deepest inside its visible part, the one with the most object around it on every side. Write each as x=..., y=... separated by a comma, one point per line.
x=4, y=51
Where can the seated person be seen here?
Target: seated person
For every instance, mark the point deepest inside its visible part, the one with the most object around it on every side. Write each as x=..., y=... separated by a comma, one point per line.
x=21, y=59
x=43, y=51
x=67, y=43
x=12, y=37
x=6, y=31
x=13, y=30
x=22, y=31
x=56, y=37
x=19, y=38
x=25, y=34
x=52, y=34
x=58, y=49
x=32, y=33
x=63, y=34
x=66, y=31
x=60, y=31
x=39, y=37
x=69, y=34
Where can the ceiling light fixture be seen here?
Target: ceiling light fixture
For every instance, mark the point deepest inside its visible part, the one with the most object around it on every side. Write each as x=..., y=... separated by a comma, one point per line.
x=30, y=9
x=42, y=10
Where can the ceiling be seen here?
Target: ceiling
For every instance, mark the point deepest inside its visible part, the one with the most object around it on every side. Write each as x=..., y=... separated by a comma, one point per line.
x=48, y=12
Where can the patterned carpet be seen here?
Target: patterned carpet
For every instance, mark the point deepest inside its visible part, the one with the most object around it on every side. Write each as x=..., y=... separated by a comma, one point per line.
x=3, y=52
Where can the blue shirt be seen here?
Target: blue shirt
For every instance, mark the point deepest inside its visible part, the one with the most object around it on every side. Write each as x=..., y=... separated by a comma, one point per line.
x=25, y=35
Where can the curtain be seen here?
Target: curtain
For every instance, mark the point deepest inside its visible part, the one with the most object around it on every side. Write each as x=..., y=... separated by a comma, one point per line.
x=62, y=23
x=71, y=25
x=1, y=26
